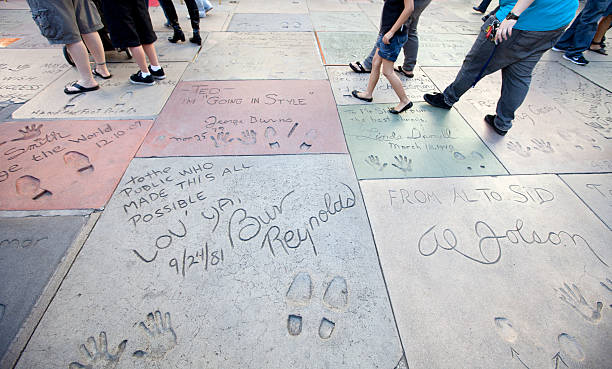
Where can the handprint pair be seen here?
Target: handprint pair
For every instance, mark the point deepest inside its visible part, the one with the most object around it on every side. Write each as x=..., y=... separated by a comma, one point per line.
x=402, y=163
x=160, y=336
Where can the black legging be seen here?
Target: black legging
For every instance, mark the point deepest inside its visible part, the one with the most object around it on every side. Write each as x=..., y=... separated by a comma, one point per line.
x=170, y=11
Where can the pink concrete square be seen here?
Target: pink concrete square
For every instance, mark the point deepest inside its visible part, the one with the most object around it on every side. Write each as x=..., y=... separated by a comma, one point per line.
x=65, y=164
x=247, y=118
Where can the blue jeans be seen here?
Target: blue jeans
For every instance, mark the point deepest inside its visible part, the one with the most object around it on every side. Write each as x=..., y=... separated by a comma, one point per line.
x=577, y=38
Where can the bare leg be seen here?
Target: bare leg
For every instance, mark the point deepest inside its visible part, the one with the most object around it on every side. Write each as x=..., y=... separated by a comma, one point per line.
x=374, y=76
x=79, y=55
x=604, y=25
x=396, y=83
x=140, y=58
x=94, y=44
x=149, y=49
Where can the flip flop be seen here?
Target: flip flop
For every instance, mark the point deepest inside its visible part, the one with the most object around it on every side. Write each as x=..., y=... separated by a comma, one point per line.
x=401, y=70
x=601, y=51
x=97, y=74
x=79, y=88
x=359, y=68
x=355, y=93
x=408, y=106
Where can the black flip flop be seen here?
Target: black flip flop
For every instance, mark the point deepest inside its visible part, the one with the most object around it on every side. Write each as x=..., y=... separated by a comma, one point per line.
x=401, y=70
x=601, y=51
x=97, y=74
x=80, y=89
x=359, y=68
x=408, y=106
x=355, y=93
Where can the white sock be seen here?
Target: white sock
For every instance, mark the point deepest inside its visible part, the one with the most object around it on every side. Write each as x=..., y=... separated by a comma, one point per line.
x=144, y=75
x=155, y=68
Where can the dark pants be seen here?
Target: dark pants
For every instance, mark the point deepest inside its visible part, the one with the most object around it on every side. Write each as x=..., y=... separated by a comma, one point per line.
x=170, y=11
x=579, y=35
x=411, y=46
x=516, y=57
x=484, y=5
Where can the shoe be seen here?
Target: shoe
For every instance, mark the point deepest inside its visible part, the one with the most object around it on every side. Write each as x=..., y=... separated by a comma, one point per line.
x=98, y=74
x=79, y=88
x=554, y=48
x=157, y=74
x=355, y=94
x=478, y=9
x=357, y=67
x=167, y=25
x=576, y=59
x=209, y=9
x=490, y=120
x=196, y=39
x=437, y=99
x=406, y=107
x=177, y=36
x=401, y=70
x=138, y=79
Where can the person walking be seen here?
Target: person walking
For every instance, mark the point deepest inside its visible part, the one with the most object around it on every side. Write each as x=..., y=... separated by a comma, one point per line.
x=74, y=23
x=410, y=47
x=579, y=35
x=482, y=7
x=598, y=45
x=194, y=17
x=392, y=37
x=527, y=30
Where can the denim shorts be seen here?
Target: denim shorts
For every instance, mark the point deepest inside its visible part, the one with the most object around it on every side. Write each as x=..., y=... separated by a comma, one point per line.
x=391, y=51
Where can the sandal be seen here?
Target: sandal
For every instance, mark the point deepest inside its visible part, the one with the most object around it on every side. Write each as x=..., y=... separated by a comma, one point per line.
x=399, y=69
x=98, y=74
x=601, y=50
x=79, y=88
x=355, y=93
x=357, y=67
x=406, y=107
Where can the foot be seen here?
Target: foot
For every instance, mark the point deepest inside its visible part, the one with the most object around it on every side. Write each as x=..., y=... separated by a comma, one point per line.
x=101, y=70
x=576, y=59
x=401, y=107
x=177, y=36
x=490, y=120
x=80, y=86
x=437, y=99
x=478, y=9
x=362, y=96
x=555, y=48
x=209, y=9
x=357, y=67
x=196, y=39
x=157, y=74
x=405, y=72
x=138, y=79
x=598, y=48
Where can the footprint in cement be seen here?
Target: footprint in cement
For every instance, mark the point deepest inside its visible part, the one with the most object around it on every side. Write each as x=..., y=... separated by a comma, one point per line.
x=78, y=161
x=335, y=298
x=571, y=347
x=30, y=186
x=299, y=294
x=506, y=330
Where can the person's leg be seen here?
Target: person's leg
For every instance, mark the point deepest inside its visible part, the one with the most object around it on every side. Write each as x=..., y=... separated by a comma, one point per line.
x=170, y=11
x=411, y=46
x=396, y=83
x=367, y=62
x=80, y=57
x=374, y=76
x=602, y=28
x=586, y=27
x=94, y=44
x=194, y=14
x=207, y=5
x=149, y=50
x=140, y=58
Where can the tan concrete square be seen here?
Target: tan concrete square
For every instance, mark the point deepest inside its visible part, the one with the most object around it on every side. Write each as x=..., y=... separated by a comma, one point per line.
x=116, y=98
x=599, y=73
x=275, y=22
x=333, y=6
x=596, y=192
x=267, y=6
x=494, y=272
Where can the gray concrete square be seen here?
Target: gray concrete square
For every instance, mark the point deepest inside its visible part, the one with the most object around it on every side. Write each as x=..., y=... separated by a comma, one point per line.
x=341, y=48
x=596, y=192
x=267, y=6
x=214, y=21
x=494, y=266
x=286, y=269
x=257, y=55
x=270, y=23
x=599, y=73
x=341, y=22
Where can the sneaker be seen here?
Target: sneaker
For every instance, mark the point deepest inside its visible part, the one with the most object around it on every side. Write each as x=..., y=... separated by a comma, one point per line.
x=554, y=48
x=436, y=99
x=490, y=120
x=576, y=59
x=157, y=75
x=478, y=9
x=138, y=79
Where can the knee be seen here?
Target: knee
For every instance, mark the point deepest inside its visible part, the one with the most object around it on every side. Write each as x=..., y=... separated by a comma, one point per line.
x=387, y=72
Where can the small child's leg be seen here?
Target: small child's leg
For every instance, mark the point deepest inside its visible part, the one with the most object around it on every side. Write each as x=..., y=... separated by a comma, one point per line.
x=396, y=83
x=140, y=58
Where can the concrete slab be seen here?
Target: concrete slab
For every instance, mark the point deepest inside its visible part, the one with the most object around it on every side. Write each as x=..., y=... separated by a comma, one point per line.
x=344, y=80
x=270, y=23
x=421, y=142
x=6, y=111
x=341, y=48
x=440, y=10
x=545, y=138
x=183, y=51
x=284, y=306
x=430, y=25
x=596, y=192
x=558, y=57
x=14, y=4
x=333, y=6
x=214, y=21
x=599, y=73
x=6, y=41
x=341, y=21
x=247, y=118
x=117, y=98
x=443, y=49
x=267, y=6
x=523, y=285
x=17, y=23
x=371, y=8
x=65, y=164
x=30, y=251
x=34, y=41
x=257, y=55
x=24, y=73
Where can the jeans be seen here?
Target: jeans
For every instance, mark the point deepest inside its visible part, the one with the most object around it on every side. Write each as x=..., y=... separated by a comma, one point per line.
x=411, y=46
x=516, y=57
x=204, y=5
x=170, y=12
x=579, y=35
x=484, y=4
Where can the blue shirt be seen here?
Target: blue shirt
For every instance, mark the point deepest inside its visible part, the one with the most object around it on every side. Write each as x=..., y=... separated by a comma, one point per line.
x=542, y=15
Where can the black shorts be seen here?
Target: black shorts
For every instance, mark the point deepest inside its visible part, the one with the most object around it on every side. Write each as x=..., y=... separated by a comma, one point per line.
x=128, y=22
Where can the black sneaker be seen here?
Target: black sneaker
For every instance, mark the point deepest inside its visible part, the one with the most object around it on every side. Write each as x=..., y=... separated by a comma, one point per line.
x=576, y=59
x=436, y=99
x=490, y=120
x=138, y=79
x=157, y=74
